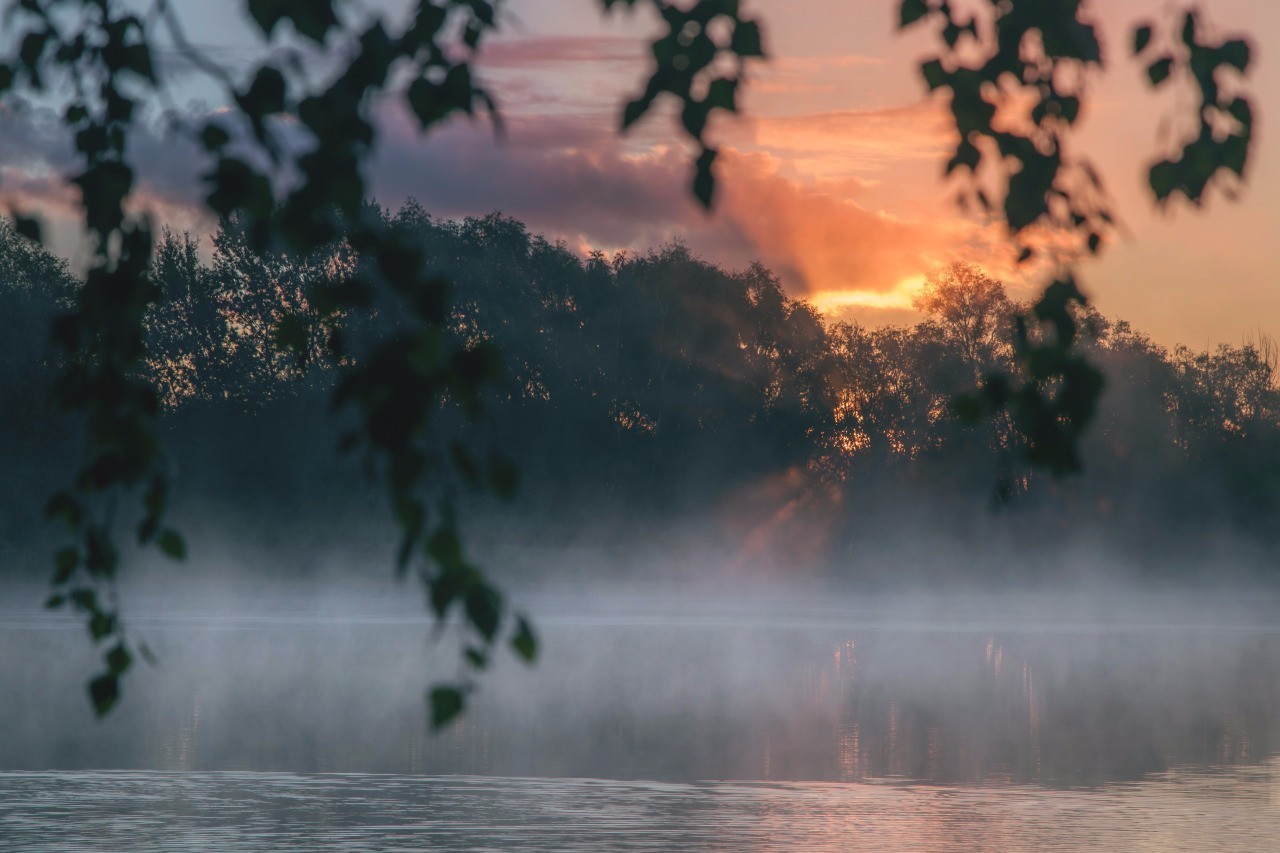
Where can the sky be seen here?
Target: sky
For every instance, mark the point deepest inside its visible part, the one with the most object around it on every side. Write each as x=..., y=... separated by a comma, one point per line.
x=832, y=176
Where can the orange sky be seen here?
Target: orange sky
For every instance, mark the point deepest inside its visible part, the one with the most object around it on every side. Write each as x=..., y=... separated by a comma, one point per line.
x=832, y=178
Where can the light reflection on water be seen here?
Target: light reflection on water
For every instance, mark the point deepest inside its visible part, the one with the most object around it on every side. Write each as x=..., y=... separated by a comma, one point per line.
x=895, y=732
x=146, y=811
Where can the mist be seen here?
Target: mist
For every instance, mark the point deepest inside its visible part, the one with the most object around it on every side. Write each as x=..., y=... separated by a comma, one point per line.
x=755, y=545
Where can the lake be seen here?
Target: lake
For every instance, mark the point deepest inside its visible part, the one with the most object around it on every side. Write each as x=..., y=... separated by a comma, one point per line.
x=788, y=722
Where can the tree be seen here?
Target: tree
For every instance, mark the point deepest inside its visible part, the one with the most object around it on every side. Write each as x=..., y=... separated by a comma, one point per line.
x=97, y=58
x=973, y=312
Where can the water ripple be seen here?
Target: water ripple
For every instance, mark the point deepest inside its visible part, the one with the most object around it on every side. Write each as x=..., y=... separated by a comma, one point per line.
x=1229, y=809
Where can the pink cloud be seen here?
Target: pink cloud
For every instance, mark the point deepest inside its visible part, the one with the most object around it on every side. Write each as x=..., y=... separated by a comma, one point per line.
x=541, y=51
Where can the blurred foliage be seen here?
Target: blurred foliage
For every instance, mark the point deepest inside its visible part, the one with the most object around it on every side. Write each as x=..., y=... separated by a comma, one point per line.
x=1017, y=73
x=97, y=58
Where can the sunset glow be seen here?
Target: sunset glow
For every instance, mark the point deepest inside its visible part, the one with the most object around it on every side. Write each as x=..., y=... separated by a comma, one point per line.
x=900, y=297
x=832, y=175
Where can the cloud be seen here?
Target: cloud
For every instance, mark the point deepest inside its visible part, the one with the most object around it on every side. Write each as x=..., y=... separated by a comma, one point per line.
x=574, y=179
x=542, y=51
x=36, y=156
x=842, y=142
x=577, y=182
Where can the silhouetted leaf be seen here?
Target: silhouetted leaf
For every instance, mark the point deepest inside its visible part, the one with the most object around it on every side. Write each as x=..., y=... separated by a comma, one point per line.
x=1159, y=70
x=1163, y=178
x=484, y=610
x=447, y=703
x=746, y=39
x=523, y=642
x=101, y=625
x=311, y=18
x=118, y=659
x=912, y=11
x=65, y=562
x=213, y=137
x=265, y=95
x=935, y=76
x=704, y=179
x=172, y=544
x=104, y=691
x=1141, y=38
x=1235, y=53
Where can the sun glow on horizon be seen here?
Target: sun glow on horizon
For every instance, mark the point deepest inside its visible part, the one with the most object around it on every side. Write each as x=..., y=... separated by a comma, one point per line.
x=898, y=298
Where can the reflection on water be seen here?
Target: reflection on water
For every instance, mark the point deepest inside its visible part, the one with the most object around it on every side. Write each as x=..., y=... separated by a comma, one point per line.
x=1056, y=704
x=147, y=811
x=955, y=732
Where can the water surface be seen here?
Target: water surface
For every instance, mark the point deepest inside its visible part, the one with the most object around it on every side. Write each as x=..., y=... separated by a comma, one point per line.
x=805, y=724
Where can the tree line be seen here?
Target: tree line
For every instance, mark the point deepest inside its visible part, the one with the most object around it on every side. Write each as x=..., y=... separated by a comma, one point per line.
x=656, y=388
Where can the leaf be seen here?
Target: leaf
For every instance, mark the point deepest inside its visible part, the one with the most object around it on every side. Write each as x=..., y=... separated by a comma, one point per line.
x=446, y=704
x=103, y=187
x=1234, y=154
x=722, y=94
x=443, y=591
x=172, y=544
x=445, y=547
x=746, y=40
x=484, y=610
x=935, y=76
x=213, y=137
x=118, y=659
x=265, y=95
x=1163, y=179
x=311, y=18
x=101, y=625
x=634, y=111
x=148, y=528
x=1070, y=108
x=138, y=60
x=912, y=11
x=1159, y=70
x=523, y=642
x=65, y=562
x=1235, y=53
x=1141, y=38
x=104, y=691
x=704, y=182
x=1242, y=111
x=457, y=88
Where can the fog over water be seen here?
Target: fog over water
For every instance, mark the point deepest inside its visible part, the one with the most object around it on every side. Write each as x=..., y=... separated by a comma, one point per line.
x=790, y=684
x=722, y=715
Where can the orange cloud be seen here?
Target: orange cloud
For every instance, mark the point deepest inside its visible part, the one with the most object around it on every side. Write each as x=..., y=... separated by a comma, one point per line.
x=817, y=240
x=843, y=141
x=849, y=260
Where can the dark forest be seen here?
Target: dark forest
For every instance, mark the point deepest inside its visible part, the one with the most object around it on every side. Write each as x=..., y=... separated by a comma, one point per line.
x=658, y=401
